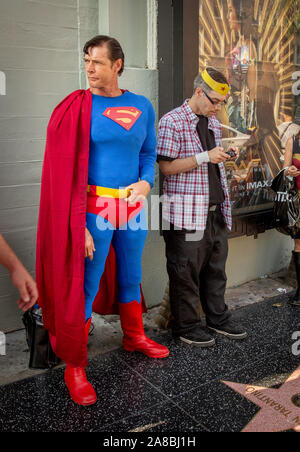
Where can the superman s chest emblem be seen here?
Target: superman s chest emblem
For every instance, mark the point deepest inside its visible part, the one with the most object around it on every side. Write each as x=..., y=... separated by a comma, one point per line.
x=124, y=116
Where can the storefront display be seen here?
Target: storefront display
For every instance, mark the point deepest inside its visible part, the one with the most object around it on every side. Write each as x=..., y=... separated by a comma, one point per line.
x=256, y=45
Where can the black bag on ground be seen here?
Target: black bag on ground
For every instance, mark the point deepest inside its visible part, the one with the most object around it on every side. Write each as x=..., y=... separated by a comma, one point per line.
x=41, y=353
x=286, y=210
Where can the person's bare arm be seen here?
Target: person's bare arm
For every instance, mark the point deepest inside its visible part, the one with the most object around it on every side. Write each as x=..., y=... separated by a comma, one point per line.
x=7, y=256
x=216, y=155
x=178, y=166
x=19, y=276
x=288, y=159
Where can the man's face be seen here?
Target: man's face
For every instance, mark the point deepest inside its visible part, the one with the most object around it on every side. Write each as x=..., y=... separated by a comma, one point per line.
x=232, y=16
x=204, y=102
x=100, y=70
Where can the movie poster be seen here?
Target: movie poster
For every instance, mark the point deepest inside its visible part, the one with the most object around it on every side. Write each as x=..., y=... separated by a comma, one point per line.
x=256, y=44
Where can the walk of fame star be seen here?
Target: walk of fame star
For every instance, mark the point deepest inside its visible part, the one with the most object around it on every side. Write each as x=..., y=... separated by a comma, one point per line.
x=280, y=408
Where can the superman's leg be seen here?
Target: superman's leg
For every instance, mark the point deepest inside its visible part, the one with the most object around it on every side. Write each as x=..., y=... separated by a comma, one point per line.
x=81, y=391
x=102, y=232
x=129, y=244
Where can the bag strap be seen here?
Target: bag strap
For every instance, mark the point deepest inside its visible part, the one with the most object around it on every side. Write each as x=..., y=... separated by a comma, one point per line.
x=283, y=169
x=294, y=145
x=285, y=130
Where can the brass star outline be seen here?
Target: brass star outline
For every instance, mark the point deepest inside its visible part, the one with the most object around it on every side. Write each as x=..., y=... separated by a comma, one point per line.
x=278, y=412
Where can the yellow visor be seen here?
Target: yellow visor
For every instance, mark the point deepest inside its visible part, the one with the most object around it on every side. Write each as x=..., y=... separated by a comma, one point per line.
x=220, y=88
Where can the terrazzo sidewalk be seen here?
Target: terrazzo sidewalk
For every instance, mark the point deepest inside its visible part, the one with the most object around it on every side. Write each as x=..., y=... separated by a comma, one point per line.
x=182, y=393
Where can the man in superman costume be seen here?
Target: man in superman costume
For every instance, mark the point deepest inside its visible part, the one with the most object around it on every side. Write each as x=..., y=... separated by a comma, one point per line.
x=98, y=169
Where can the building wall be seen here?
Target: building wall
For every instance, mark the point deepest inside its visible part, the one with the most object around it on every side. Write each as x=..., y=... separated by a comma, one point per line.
x=126, y=20
x=40, y=55
x=251, y=258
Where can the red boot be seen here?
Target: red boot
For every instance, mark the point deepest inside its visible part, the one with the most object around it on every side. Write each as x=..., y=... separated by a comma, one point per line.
x=134, y=336
x=81, y=391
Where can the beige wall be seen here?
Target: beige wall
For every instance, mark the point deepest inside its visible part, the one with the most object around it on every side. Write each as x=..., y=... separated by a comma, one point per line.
x=126, y=20
x=251, y=258
x=40, y=55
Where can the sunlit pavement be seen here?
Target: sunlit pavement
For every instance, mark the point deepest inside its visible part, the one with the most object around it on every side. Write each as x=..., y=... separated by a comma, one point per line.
x=250, y=385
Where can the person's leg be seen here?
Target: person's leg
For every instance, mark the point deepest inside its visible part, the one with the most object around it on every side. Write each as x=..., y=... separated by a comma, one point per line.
x=297, y=245
x=129, y=244
x=81, y=391
x=184, y=260
x=102, y=233
x=296, y=255
x=213, y=276
x=213, y=283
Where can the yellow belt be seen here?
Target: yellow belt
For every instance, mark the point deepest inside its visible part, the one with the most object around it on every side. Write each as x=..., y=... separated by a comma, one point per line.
x=111, y=192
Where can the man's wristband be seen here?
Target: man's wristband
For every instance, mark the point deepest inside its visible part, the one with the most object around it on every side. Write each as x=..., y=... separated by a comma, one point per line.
x=202, y=157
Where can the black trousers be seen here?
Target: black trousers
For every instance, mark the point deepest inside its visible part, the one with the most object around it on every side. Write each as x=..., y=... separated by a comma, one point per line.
x=196, y=268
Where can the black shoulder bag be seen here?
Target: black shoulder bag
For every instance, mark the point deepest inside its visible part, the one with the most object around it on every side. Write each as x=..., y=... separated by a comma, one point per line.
x=286, y=210
x=41, y=353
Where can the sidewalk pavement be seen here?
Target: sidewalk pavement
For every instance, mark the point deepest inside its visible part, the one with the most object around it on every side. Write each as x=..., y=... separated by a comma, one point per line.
x=182, y=393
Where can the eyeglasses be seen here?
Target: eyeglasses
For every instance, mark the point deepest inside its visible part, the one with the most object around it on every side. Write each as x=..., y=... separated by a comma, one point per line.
x=214, y=102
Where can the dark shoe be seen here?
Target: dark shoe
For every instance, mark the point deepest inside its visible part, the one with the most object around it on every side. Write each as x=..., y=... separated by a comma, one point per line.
x=200, y=338
x=296, y=300
x=230, y=329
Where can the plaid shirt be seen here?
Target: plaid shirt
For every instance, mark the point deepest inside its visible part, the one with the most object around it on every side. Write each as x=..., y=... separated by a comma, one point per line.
x=186, y=195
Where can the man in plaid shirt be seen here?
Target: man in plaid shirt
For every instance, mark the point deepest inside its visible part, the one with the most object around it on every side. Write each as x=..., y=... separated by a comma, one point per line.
x=197, y=211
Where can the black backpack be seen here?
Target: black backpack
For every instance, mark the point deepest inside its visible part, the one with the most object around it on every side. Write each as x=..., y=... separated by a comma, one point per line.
x=286, y=210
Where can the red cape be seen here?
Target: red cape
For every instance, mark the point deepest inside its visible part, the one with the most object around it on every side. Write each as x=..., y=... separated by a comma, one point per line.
x=61, y=232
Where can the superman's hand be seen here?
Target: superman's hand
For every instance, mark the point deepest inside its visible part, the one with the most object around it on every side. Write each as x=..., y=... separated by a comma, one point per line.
x=139, y=191
x=89, y=245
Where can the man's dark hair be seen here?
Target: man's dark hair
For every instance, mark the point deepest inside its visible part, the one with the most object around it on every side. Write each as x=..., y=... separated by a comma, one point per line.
x=114, y=48
x=216, y=75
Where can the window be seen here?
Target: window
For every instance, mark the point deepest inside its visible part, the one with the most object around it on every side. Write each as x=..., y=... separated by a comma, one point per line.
x=254, y=43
